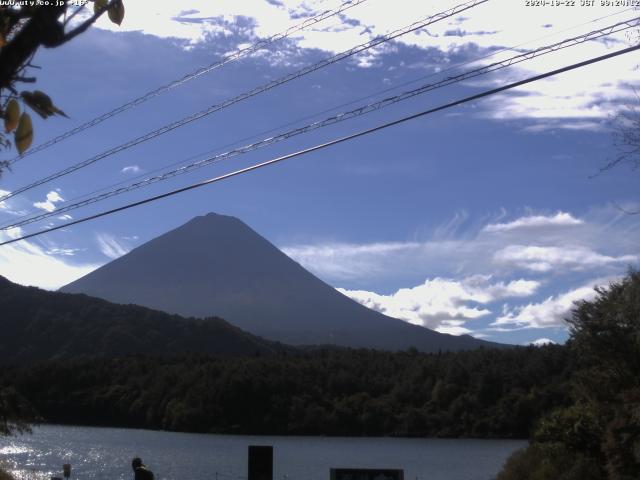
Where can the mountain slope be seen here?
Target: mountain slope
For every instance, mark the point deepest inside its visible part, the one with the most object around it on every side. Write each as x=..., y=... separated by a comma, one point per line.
x=217, y=265
x=39, y=325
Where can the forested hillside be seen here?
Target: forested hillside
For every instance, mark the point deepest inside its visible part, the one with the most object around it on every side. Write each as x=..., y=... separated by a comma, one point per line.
x=482, y=393
x=40, y=325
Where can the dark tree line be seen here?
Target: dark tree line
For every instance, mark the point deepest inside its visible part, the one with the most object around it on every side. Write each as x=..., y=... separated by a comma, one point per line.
x=482, y=393
x=579, y=404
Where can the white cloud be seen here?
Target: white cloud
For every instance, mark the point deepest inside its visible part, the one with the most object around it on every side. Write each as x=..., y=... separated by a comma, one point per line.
x=584, y=96
x=3, y=205
x=486, y=25
x=48, y=205
x=584, y=108
x=110, y=246
x=6, y=207
x=67, y=252
x=560, y=219
x=444, y=304
x=28, y=264
x=541, y=342
x=471, y=265
x=133, y=169
x=550, y=313
x=203, y=18
x=544, y=259
x=514, y=288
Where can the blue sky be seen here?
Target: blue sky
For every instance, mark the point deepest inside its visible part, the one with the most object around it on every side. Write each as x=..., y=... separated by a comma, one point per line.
x=489, y=219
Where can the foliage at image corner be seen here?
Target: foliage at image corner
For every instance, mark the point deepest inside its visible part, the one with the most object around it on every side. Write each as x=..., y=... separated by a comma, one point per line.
x=4, y=475
x=24, y=28
x=16, y=412
x=597, y=437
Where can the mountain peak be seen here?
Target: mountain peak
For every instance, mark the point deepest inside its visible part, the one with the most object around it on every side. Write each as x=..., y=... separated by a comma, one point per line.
x=216, y=217
x=216, y=265
x=212, y=218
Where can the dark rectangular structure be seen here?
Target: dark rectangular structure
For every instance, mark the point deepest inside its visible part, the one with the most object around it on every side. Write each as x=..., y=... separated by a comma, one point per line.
x=260, y=462
x=366, y=474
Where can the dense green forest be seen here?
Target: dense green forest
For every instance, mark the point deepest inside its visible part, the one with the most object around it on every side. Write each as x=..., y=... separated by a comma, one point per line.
x=597, y=436
x=481, y=393
x=579, y=404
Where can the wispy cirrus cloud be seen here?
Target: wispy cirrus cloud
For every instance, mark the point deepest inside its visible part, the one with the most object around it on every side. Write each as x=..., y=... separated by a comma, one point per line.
x=3, y=205
x=343, y=261
x=478, y=273
x=110, y=246
x=546, y=258
x=8, y=206
x=67, y=252
x=603, y=240
x=27, y=263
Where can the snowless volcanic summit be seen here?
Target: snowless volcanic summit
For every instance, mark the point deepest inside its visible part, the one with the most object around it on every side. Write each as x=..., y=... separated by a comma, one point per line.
x=215, y=265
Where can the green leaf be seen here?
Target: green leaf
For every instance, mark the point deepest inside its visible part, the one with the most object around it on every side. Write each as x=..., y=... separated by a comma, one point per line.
x=41, y=103
x=116, y=12
x=99, y=5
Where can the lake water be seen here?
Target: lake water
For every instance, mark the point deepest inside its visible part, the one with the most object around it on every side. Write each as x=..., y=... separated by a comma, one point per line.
x=105, y=453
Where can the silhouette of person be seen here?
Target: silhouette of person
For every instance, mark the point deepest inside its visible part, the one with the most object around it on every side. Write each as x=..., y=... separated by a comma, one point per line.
x=140, y=470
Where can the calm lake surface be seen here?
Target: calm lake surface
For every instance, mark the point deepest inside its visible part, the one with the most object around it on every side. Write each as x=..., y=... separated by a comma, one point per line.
x=105, y=453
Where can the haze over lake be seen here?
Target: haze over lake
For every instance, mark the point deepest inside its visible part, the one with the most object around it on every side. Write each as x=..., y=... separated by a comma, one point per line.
x=105, y=453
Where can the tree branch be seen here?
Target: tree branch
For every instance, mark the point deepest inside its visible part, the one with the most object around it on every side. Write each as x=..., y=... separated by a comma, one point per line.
x=40, y=29
x=84, y=25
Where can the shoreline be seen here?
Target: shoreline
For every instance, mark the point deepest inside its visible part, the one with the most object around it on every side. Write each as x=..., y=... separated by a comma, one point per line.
x=265, y=435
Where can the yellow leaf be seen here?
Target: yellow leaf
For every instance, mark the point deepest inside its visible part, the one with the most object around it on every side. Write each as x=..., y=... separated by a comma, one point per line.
x=98, y=5
x=116, y=12
x=24, y=134
x=11, y=115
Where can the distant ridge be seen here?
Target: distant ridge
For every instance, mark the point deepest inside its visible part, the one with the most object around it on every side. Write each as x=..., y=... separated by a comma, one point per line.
x=217, y=265
x=37, y=325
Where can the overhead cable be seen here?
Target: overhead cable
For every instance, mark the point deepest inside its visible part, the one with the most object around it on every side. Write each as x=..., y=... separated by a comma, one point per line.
x=337, y=141
x=237, y=55
x=244, y=96
x=362, y=110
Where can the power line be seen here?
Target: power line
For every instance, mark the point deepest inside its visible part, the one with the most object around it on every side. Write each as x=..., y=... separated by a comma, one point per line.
x=91, y=198
x=362, y=110
x=346, y=104
x=237, y=55
x=331, y=143
x=307, y=117
x=263, y=88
